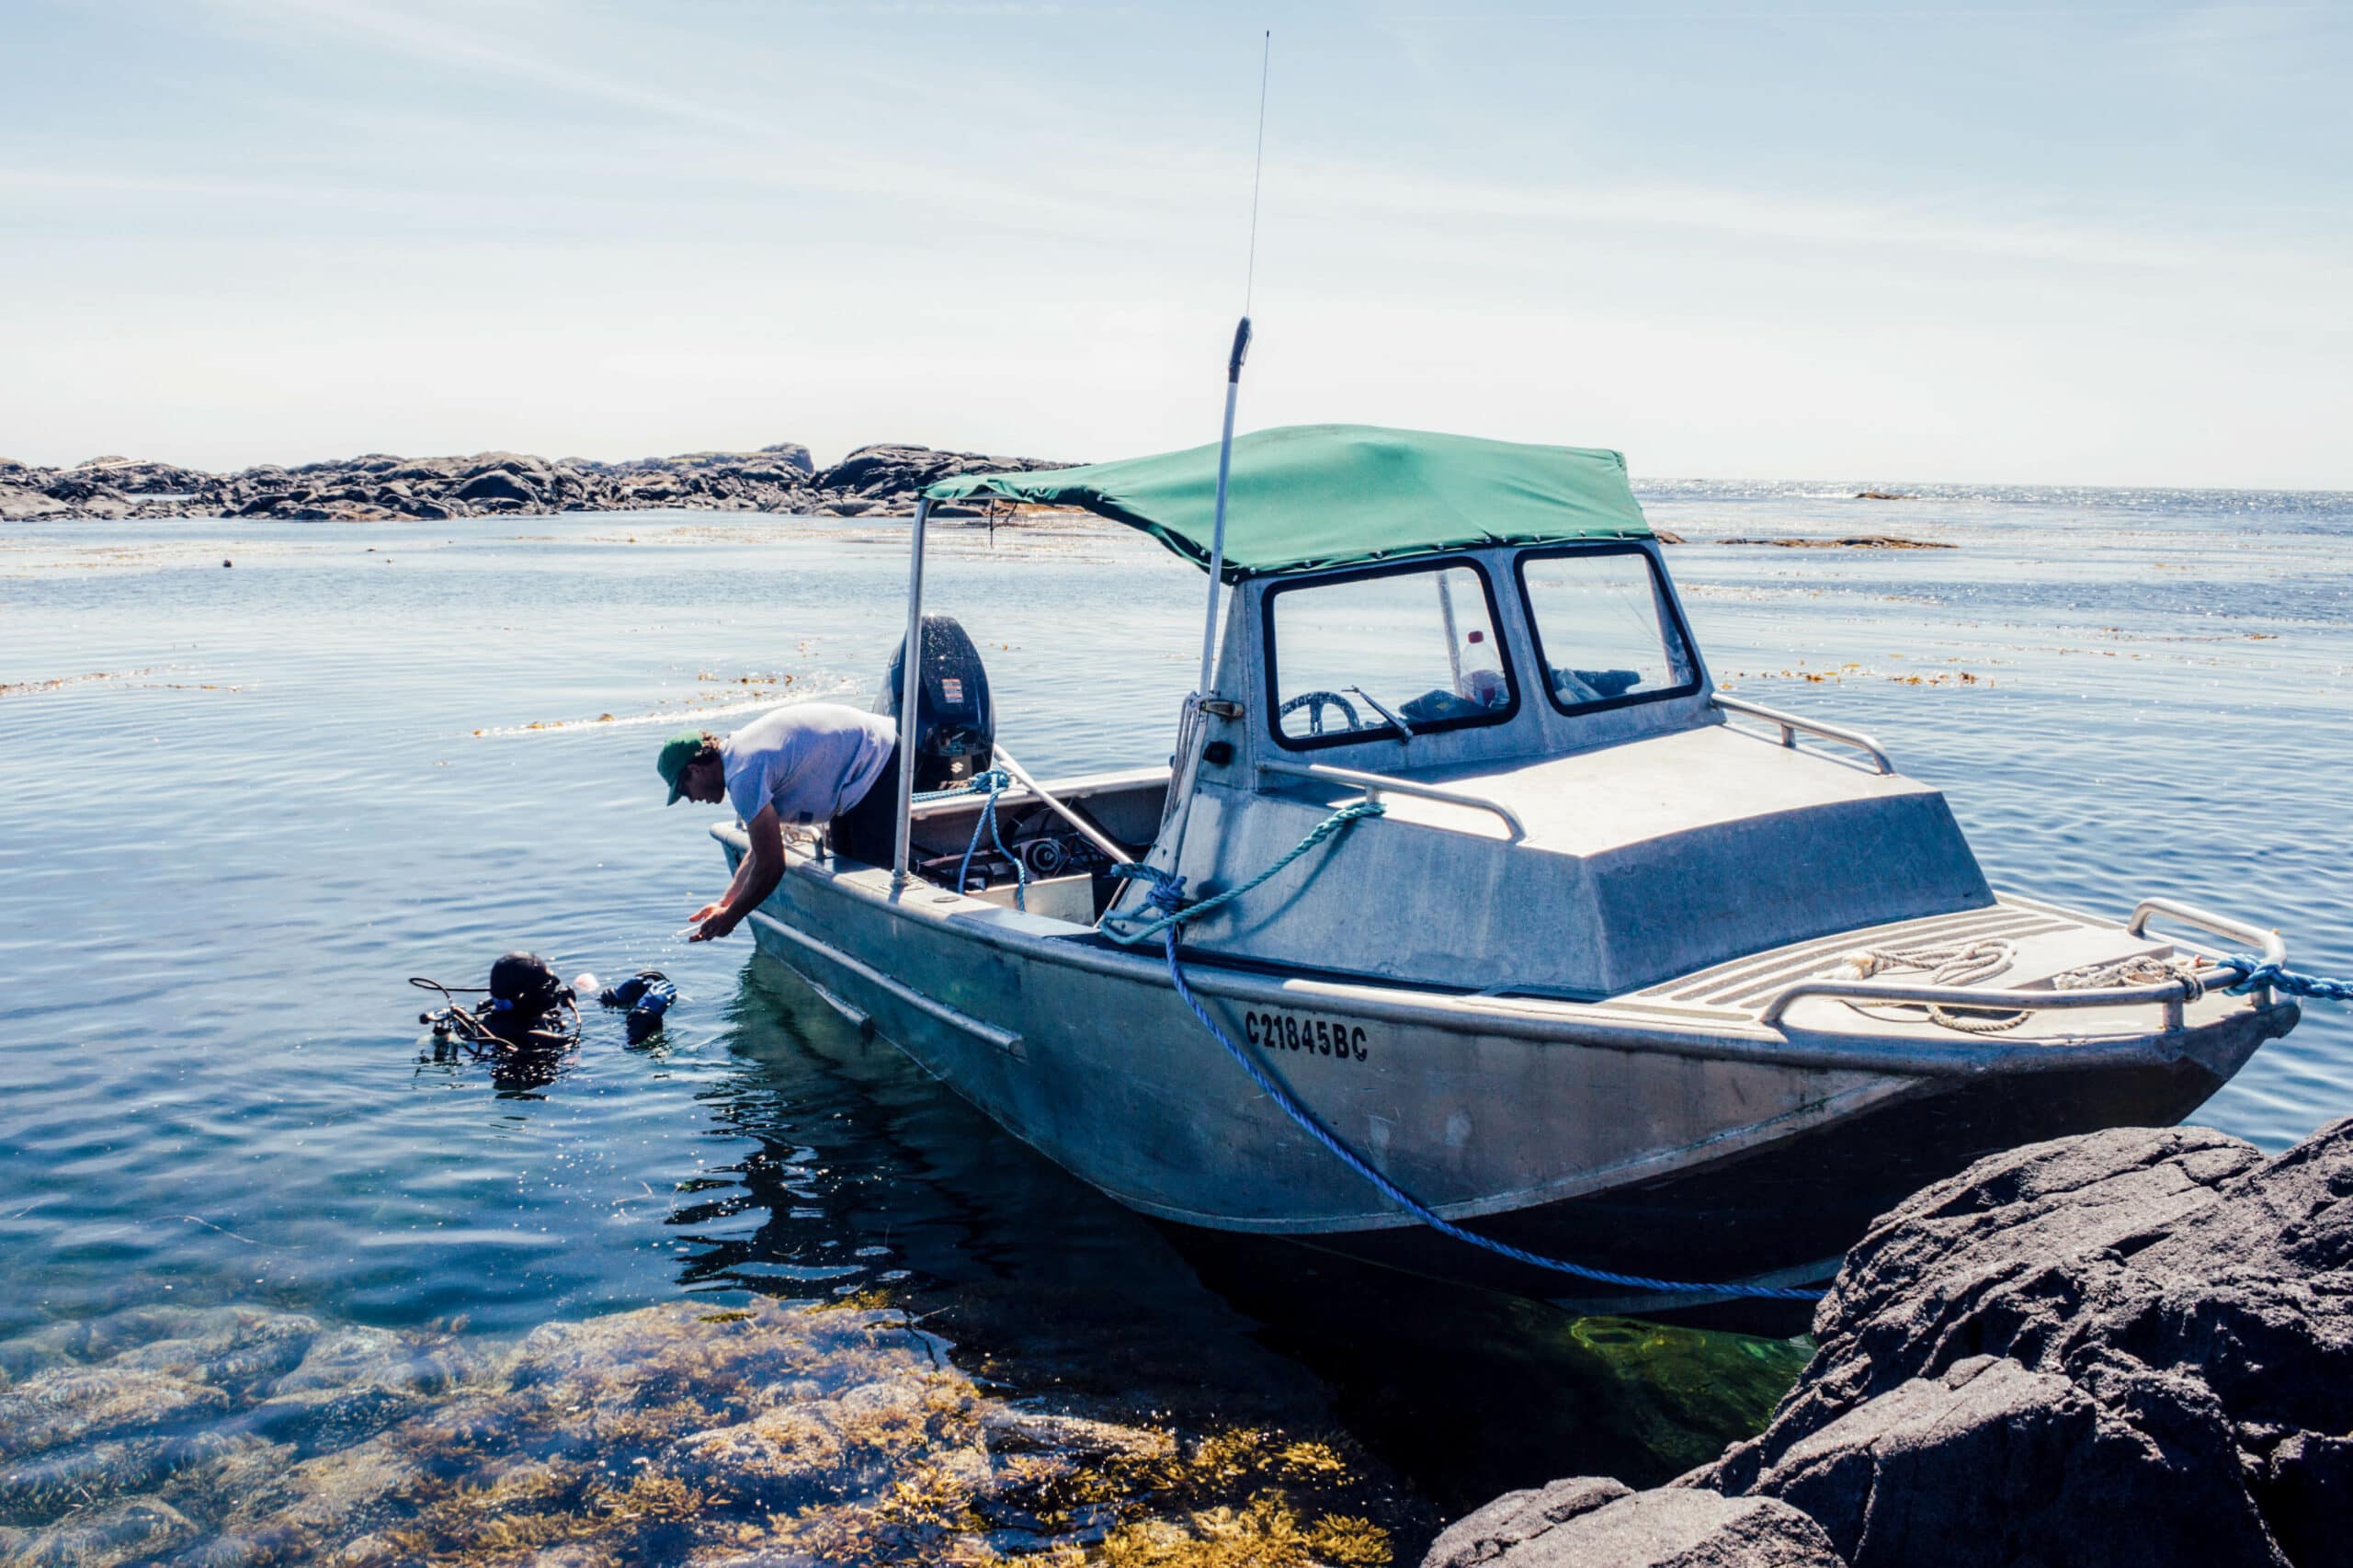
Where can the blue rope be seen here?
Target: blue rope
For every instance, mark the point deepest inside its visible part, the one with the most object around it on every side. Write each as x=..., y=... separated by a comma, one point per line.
x=2280, y=978
x=1169, y=912
x=1427, y=1216
x=996, y=781
x=1166, y=903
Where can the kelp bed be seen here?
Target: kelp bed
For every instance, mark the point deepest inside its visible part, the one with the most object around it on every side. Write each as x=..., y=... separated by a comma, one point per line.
x=768, y=1435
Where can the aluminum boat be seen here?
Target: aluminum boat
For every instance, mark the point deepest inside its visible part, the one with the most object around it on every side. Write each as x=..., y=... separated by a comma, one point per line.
x=1627, y=971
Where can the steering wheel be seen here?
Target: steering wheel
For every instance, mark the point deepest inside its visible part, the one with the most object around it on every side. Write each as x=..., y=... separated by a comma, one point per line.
x=1315, y=702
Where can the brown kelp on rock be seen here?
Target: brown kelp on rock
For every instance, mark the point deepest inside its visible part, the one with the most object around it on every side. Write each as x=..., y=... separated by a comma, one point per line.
x=753, y=1436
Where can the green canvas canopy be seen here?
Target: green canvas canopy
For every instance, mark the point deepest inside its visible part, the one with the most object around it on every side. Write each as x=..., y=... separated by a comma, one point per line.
x=1314, y=496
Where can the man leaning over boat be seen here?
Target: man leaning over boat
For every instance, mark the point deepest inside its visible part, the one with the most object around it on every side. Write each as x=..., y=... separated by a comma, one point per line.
x=794, y=766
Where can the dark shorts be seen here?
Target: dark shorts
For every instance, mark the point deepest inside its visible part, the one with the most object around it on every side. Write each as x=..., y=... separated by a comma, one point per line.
x=869, y=831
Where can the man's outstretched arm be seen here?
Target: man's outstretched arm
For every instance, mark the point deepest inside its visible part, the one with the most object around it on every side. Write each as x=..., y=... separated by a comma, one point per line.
x=756, y=877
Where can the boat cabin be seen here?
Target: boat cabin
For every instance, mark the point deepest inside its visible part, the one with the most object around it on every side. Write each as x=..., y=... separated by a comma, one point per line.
x=1484, y=637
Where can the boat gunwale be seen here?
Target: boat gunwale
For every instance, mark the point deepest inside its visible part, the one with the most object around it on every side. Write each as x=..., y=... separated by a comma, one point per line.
x=1543, y=1020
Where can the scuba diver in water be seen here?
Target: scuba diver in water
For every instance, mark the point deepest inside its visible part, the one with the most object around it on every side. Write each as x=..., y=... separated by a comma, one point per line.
x=800, y=765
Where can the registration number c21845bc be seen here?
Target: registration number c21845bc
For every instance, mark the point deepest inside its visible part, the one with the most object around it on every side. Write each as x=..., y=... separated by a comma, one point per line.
x=1290, y=1031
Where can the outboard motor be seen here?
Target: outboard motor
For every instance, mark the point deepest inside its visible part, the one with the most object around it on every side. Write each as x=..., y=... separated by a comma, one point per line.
x=954, y=732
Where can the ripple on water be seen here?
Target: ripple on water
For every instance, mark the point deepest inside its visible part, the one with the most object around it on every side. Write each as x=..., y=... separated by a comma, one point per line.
x=214, y=1098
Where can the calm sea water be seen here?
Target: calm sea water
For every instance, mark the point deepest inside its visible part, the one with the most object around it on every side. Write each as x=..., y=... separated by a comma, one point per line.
x=239, y=808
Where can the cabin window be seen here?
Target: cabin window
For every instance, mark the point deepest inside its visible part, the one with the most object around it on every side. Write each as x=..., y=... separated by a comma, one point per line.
x=1352, y=658
x=1607, y=630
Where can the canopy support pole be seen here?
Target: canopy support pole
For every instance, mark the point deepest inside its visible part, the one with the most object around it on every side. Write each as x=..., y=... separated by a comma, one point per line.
x=1217, y=533
x=910, y=685
x=1192, y=727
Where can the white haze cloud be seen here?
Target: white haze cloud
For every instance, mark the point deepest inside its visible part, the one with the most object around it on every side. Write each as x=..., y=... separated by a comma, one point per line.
x=305, y=228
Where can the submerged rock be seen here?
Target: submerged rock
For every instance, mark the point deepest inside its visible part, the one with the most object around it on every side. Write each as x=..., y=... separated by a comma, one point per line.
x=381, y=1357
x=69, y=1405
x=768, y=1434
x=227, y=1347
x=2131, y=1347
x=132, y=1531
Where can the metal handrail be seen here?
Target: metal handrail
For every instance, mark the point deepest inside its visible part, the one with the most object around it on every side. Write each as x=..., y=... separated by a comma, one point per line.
x=1790, y=723
x=1375, y=784
x=2165, y=994
x=1087, y=830
x=2275, y=949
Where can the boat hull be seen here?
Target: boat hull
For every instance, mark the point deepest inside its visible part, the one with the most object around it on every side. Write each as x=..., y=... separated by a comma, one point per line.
x=1638, y=1151
x=1784, y=1213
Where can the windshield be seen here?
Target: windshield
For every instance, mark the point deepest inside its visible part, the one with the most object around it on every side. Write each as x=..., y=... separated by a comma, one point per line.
x=1606, y=631
x=1405, y=651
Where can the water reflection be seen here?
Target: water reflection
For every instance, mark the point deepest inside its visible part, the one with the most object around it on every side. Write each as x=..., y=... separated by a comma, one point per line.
x=517, y=1072
x=889, y=1180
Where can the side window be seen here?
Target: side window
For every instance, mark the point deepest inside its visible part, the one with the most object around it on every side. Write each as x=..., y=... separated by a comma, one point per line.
x=1606, y=631
x=1351, y=655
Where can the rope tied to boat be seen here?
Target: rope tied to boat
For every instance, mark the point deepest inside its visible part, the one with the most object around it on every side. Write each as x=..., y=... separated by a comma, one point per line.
x=2257, y=973
x=2142, y=969
x=993, y=782
x=1967, y=964
x=1164, y=913
x=996, y=781
x=1165, y=907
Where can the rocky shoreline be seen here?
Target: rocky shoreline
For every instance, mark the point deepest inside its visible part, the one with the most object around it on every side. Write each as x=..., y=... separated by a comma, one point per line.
x=2133, y=1348
x=872, y=480
x=380, y=487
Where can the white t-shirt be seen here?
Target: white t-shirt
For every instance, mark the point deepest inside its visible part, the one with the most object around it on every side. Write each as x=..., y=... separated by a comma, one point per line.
x=812, y=761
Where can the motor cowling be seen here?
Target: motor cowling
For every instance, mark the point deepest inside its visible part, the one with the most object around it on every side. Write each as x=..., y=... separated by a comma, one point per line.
x=954, y=732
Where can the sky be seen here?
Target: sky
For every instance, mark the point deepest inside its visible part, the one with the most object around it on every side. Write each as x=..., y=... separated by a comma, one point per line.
x=2100, y=243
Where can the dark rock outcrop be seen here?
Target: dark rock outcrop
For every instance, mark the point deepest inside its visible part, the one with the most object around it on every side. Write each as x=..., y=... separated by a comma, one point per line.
x=2132, y=1348
x=872, y=480
x=1588, y=1523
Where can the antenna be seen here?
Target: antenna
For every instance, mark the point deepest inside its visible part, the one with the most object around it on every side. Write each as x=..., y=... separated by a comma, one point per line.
x=1234, y=378
x=1257, y=167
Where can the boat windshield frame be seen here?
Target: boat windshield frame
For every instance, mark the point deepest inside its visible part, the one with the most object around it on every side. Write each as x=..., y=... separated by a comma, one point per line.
x=1433, y=564
x=1662, y=598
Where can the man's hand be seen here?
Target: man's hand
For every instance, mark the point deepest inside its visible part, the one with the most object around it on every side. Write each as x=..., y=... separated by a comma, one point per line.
x=710, y=926
x=705, y=913
x=756, y=876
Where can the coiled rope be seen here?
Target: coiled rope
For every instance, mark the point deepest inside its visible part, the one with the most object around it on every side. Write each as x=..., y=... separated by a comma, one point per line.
x=1963, y=963
x=1165, y=914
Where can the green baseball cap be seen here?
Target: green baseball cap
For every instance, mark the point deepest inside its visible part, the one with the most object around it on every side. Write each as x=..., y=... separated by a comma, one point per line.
x=676, y=752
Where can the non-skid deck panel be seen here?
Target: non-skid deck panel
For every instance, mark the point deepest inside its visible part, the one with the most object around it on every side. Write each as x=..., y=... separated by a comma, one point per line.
x=1746, y=983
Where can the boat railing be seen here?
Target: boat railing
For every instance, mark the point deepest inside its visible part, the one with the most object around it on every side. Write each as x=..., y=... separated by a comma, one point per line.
x=2273, y=949
x=2167, y=995
x=1375, y=785
x=1791, y=723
